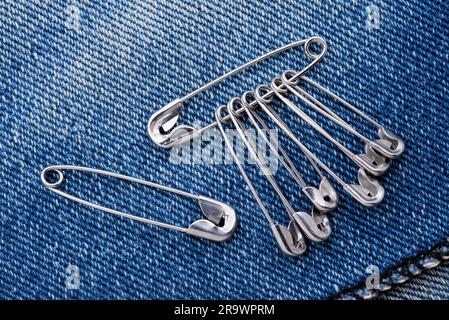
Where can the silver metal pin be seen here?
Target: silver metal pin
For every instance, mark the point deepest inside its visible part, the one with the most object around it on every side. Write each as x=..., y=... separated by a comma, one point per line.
x=162, y=126
x=219, y=225
x=368, y=192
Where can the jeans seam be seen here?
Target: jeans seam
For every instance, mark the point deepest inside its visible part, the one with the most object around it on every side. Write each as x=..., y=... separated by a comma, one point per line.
x=408, y=269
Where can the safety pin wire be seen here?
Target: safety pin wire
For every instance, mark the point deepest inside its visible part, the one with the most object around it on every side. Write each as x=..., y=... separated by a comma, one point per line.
x=376, y=163
x=307, y=223
x=212, y=209
x=325, y=198
x=305, y=42
x=270, y=111
x=319, y=107
x=220, y=120
x=290, y=240
x=162, y=127
x=301, y=222
x=381, y=156
x=310, y=121
x=348, y=187
x=317, y=58
x=260, y=162
x=363, y=161
x=53, y=187
x=316, y=163
x=342, y=101
x=389, y=146
x=275, y=147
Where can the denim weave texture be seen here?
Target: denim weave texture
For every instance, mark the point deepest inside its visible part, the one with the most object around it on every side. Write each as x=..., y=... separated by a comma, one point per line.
x=81, y=92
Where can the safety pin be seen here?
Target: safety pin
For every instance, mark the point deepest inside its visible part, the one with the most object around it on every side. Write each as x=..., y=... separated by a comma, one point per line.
x=289, y=239
x=369, y=161
x=219, y=225
x=162, y=126
x=368, y=192
x=316, y=226
x=325, y=199
x=389, y=145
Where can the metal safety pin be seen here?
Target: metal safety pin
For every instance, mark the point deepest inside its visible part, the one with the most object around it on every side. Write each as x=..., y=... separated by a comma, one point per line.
x=219, y=225
x=316, y=226
x=162, y=126
x=389, y=145
x=289, y=239
x=325, y=198
x=369, y=161
x=368, y=192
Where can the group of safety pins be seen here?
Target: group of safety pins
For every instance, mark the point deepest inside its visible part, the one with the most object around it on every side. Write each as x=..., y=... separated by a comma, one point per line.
x=251, y=108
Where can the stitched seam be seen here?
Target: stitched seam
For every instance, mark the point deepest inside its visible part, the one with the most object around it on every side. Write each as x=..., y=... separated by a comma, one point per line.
x=399, y=274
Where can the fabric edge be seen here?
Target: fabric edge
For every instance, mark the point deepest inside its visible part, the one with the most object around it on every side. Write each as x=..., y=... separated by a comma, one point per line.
x=407, y=269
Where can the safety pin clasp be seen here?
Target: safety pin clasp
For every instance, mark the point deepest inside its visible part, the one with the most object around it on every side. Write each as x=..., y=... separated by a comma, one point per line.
x=368, y=192
x=389, y=145
x=316, y=226
x=372, y=162
x=289, y=240
x=325, y=198
x=162, y=126
x=219, y=225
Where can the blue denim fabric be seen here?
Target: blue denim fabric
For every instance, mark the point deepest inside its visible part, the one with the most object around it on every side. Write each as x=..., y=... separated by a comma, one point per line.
x=430, y=286
x=82, y=94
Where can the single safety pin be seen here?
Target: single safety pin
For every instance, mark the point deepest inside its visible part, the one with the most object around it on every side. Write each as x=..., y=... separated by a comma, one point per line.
x=316, y=226
x=368, y=192
x=373, y=164
x=219, y=225
x=325, y=199
x=162, y=126
x=289, y=239
x=389, y=145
